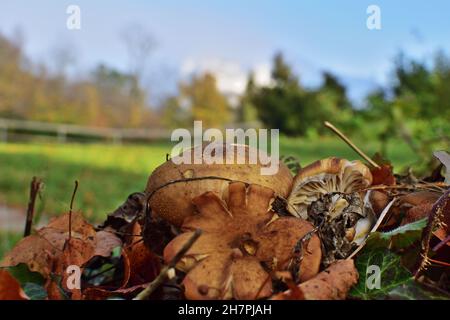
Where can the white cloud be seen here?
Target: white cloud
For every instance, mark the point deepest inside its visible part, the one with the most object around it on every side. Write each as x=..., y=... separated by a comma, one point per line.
x=231, y=77
x=262, y=74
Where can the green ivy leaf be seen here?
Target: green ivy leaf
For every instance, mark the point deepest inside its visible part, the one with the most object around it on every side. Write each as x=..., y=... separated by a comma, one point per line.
x=57, y=279
x=35, y=291
x=31, y=282
x=414, y=291
x=399, y=238
x=392, y=274
x=23, y=275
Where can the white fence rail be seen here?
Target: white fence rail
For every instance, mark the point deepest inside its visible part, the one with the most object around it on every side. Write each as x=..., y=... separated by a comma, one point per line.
x=62, y=131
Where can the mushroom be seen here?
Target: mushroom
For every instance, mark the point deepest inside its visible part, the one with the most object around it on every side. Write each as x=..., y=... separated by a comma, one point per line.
x=328, y=193
x=325, y=176
x=172, y=201
x=242, y=242
x=342, y=222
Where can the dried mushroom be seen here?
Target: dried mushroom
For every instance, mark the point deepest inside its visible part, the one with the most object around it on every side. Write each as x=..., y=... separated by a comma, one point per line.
x=242, y=242
x=341, y=221
x=328, y=194
x=172, y=201
x=325, y=176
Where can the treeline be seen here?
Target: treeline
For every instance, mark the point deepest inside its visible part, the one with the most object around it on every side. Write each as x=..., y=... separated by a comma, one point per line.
x=105, y=97
x=415, y=106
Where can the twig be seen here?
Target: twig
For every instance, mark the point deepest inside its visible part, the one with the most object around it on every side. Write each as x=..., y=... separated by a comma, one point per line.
x=163, y=274
x=35, y=186
x=441, y=263
x=71, y=208
x=434, y=220
x=420, y=185
x=351, y=144
x=441, y=244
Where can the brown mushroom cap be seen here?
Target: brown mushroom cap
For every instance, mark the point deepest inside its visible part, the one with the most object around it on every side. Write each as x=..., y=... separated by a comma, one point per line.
x=240, y=235
x=324, y=176
x=173, y=202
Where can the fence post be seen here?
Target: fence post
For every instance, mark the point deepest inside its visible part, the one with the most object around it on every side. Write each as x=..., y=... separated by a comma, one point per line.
x=3, y=132
x=117, y=138
x=62, y=133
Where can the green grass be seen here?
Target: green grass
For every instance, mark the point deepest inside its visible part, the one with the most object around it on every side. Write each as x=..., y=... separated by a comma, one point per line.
x=310, y=150
x=106, y=173
x=7, y=241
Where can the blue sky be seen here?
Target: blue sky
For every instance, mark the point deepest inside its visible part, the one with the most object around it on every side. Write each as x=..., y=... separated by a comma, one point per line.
x=232, y=37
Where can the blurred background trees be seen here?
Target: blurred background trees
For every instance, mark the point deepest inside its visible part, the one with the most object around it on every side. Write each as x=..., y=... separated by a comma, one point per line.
x=415, y=106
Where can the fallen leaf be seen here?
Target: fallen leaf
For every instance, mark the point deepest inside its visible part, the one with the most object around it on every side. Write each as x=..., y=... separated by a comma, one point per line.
x=383, y=175
x=105, y=243
x=143, y=264
x=50, y=251
x=414, y=291
x=140, y=267
x=35, y=291
x=10, y=288
x=399, y=238
x=34, y=251
x=57, y=231
x=392, y=274
x=333, y=283
x=127, y=212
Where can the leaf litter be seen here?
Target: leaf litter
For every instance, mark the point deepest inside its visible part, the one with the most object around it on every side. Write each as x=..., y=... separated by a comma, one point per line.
x=397, y=223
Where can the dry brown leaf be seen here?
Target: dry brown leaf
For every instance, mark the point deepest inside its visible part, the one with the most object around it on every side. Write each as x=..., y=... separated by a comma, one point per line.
x=383, y=175
x=36, y=252
x=50, y=251
x=57, y=231
x=421, y=204
x=102, y=293
x=238, y=236
x=140, y=266
x=75, y=252
x=333, y=283
x=10, y=288
x=105, y=243
x=143, y=264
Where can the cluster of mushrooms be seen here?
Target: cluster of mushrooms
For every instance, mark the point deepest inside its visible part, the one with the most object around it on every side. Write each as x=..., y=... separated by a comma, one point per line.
x=249, y=241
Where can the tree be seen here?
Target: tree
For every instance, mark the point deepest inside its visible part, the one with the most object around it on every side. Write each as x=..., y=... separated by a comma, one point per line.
x=282, y=73
x=282, y=105
x=246, y=111
x=122, y=96
x=174, y=115
x=204, y=101
x=332, y=84
x=15, y=82
x=415, y=107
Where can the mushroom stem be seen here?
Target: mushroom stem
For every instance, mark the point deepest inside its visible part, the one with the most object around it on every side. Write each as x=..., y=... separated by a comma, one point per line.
x=351, y=144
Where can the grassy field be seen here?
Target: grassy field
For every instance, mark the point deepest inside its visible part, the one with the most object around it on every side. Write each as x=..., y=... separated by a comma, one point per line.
x=109, y=173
